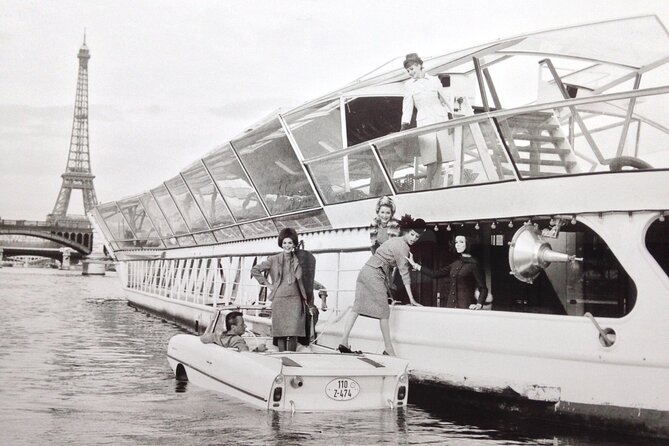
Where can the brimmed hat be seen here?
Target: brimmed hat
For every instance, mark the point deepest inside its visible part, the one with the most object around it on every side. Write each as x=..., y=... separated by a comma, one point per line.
x=288, y=233
x=408, y=223
x=412, y=58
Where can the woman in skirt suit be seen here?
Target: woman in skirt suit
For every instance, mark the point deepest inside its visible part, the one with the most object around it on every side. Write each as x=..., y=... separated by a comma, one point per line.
x=288, y=295
x=371, y=288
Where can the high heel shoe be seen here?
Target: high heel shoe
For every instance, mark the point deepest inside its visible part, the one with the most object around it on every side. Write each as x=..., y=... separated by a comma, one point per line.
x=343, y=349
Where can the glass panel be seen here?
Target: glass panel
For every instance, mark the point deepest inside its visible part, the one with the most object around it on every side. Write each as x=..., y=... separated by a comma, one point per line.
x=372, y=117
x=186, y=240
x=228, y=234
x=139, y=221
x=304, y=222
x=235, y=186
x=115, y=222
x=467, y=154
x=207, y=196
x=643, y=41
x=101, y=223
x=170, y=210
x=158, y=219
x=275, y=170
x=264, y=228
x=350, y=177
x=186, y=204
x=204, y=238
x=317, y=129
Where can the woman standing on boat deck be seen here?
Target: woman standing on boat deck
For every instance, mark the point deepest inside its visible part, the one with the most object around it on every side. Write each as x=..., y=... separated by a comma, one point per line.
x=371, y=288
x=288, y=294
x=424, y=92
x=464, y=275
x=385, y=210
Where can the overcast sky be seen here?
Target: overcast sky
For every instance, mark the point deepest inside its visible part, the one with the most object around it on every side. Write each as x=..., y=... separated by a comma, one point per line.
x=170, y=80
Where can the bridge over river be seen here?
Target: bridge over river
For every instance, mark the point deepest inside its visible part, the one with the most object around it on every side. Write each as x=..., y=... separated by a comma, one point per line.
x=44, y=238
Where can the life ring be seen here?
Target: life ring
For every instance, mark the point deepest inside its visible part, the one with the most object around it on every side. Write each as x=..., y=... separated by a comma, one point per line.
x=618, y=163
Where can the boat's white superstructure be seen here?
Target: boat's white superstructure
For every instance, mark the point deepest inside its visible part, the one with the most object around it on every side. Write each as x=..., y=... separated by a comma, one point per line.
x=314, y=379
x=561, y=140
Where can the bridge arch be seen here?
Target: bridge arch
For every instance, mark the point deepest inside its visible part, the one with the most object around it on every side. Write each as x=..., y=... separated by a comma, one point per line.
x=69, y=242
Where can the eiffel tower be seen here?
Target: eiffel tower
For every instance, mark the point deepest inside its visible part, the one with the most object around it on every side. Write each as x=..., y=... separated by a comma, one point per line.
x=78, y=170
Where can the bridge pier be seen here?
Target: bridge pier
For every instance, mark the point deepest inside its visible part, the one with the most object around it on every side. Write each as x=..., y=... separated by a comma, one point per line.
x=65, y=264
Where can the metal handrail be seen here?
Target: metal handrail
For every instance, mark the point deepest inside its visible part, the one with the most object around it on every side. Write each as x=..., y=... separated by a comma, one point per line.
x=487, y=115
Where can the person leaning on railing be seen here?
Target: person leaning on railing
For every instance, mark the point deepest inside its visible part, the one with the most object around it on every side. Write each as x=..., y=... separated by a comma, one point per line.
x=371, y=287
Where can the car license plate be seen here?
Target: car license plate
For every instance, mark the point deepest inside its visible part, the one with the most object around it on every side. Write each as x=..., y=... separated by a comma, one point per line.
x=342, y=389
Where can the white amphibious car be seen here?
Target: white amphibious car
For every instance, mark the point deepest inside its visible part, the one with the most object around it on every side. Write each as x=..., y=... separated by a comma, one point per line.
x=315, y=379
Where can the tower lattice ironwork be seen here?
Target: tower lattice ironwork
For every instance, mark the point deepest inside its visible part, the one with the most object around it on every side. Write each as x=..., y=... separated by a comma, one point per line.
x=78, y=170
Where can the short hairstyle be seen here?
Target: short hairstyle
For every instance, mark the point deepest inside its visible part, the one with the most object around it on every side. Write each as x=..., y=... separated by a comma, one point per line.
x=288, y=233
x=468, y=243
x=231, y=318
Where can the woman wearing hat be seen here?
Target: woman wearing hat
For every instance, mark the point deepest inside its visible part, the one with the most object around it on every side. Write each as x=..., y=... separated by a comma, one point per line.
x=288, y=295
x=424, y=92
x=371, y=288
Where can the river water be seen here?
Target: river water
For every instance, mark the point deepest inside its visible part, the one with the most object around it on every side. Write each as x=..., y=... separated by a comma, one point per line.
x=79, y=366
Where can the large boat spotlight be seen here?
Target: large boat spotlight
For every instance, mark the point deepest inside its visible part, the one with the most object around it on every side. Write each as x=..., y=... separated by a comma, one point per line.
x=530, y=253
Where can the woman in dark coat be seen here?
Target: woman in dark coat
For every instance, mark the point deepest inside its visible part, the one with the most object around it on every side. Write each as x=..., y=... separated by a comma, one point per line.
x=465, y=275
x=288, y=295
x=371, y=288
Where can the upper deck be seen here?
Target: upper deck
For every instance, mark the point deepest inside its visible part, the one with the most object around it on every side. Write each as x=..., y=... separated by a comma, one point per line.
x=574, y=102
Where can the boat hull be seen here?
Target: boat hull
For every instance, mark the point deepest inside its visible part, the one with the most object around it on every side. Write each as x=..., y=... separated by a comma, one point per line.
x=289, y=381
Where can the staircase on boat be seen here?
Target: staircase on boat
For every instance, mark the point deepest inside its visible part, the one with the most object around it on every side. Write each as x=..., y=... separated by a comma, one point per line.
x=538, y=145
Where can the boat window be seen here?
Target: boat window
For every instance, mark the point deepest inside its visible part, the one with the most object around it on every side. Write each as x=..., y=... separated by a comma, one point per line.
x=598, y=285
x=372, y=117
x=239, y=194
x=275, y=170
x=657, y=242
x=229, y=234
x=184, y=200
x=601, y=136
x=186, y=240
x=349, y=177
x=139, y=222
x=204, y=238
x=602, y=42
x=304, y=221
x=158, y=219
x=448, y=156
x=169, y=209
x=115, y=222
x=207, y=196
x=264, y=228
x=317, y=129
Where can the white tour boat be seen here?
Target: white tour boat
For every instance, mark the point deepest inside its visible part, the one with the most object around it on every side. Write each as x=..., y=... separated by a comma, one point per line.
x=560, y=176
x=313, y=379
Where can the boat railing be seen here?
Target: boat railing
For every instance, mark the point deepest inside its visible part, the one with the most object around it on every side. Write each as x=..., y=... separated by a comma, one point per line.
x=227, y=281
x=572, y=136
